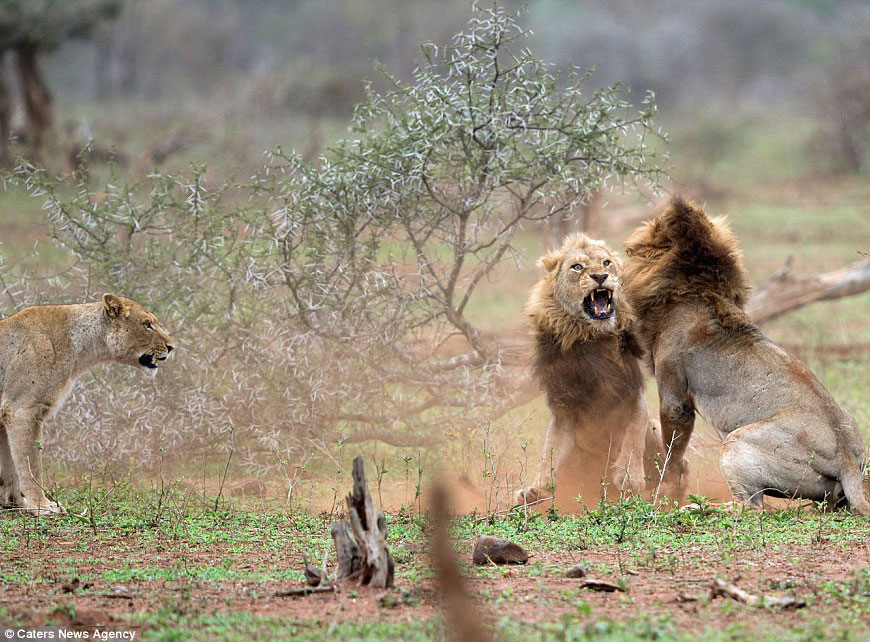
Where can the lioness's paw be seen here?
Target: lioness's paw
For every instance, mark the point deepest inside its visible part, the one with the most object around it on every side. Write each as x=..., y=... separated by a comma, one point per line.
x=532, y=494
x=42, y=507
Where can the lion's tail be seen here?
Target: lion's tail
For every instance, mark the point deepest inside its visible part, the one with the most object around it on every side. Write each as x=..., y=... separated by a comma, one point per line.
x=852, y=479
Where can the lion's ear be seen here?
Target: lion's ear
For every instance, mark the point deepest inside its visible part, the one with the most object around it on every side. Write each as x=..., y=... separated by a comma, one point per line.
x=114, y=306
x=551, y=261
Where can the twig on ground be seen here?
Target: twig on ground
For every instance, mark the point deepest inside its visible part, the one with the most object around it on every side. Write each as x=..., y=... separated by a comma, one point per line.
x=302, y=591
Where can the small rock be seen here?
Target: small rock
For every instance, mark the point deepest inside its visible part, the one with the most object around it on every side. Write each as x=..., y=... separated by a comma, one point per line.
x=578, y=570
x=71, y=586
x=492, y=550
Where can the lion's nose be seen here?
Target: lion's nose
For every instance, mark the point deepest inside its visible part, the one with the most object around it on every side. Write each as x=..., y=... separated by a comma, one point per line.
x=600, y=278
x=169, y=348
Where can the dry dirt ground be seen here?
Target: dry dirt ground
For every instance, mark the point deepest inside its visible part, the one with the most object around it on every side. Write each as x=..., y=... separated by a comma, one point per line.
x=197, y=579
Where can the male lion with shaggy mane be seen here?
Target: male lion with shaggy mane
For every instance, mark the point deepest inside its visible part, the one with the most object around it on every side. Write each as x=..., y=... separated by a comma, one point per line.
x=784, y=435
x=42, y=350
x=586, y=361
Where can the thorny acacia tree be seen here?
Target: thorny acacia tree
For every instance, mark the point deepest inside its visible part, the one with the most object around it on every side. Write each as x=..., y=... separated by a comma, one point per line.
x=317, y=302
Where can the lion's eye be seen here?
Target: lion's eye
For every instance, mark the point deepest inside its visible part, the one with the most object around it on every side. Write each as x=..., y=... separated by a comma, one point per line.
x=148, y=325
x=577, y=267
x=607, y=262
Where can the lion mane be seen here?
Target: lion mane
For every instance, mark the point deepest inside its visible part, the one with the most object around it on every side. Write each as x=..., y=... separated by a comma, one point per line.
x=682, y=255
x=567, y=348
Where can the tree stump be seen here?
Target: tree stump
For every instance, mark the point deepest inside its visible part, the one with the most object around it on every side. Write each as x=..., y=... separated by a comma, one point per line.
x=360, y=540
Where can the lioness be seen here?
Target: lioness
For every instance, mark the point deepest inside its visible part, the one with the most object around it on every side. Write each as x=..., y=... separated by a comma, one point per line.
x=586, y=360
x=42, y=350
x=784, y=435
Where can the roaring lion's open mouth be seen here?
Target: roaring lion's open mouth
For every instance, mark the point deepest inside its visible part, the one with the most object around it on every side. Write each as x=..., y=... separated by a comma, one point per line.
x=147, y=360
x=599, y=304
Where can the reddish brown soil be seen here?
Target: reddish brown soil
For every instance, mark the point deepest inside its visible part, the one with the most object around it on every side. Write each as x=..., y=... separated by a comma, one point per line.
x=536, y=592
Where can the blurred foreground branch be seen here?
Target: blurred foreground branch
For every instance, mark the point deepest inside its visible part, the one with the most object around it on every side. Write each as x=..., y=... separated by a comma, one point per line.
x=464, y=618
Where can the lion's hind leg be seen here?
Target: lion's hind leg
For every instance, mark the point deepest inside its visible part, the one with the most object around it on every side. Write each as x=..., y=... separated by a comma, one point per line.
x=764, y=459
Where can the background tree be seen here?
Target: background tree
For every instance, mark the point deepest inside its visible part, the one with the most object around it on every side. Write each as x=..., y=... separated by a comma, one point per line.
x=29, y=27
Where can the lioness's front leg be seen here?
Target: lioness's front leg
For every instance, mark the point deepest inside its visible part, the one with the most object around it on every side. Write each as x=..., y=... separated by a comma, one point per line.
x=24, y=434
x=8, y=484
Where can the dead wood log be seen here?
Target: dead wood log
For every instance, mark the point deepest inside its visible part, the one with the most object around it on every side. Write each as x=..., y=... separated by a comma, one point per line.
x=784, y=292
x=304, y=590
x=462, y=615
x=360, y=540
x=727, y=589
x=722, y=588
x=349, y=562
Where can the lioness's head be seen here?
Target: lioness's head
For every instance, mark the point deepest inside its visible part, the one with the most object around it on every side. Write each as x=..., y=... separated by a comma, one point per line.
x=580, y=295
x=134, y=336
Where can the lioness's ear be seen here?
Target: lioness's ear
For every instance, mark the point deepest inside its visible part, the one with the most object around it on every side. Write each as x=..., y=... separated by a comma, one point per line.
x=551, y=261
x=114, y=306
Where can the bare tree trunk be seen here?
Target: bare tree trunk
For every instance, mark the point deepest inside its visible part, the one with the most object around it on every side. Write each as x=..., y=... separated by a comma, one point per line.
x=127, y=34
x=104, y=44
x=784, y=293
x=5, y=114
x=582, y=218
x=38, y=109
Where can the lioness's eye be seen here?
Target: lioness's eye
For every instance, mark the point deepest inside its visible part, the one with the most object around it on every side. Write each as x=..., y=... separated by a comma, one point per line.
x=148, y=325
x=577, y=267
x=607, y=262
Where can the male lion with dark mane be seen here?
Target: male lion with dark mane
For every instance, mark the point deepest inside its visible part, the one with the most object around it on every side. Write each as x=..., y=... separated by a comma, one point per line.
x=784, y=435
x=586, y=361
x=42, y=351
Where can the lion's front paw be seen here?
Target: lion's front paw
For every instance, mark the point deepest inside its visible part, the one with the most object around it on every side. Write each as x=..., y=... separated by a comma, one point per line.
x=629, y=480
x=532, y=494
x=674, y=490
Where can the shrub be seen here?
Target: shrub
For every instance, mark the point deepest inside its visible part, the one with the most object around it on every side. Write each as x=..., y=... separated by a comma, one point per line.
x=314, y=303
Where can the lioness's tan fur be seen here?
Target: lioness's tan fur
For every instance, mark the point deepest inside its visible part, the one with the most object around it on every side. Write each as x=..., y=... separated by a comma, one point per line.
x=42, y=350
x=784, y=435
x=599, y=429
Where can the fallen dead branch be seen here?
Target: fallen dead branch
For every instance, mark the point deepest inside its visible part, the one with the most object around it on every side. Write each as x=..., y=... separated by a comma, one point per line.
x=726, y=589
x=785, y=292
x=828, y=350
x=302, y=591
x=722, y=588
